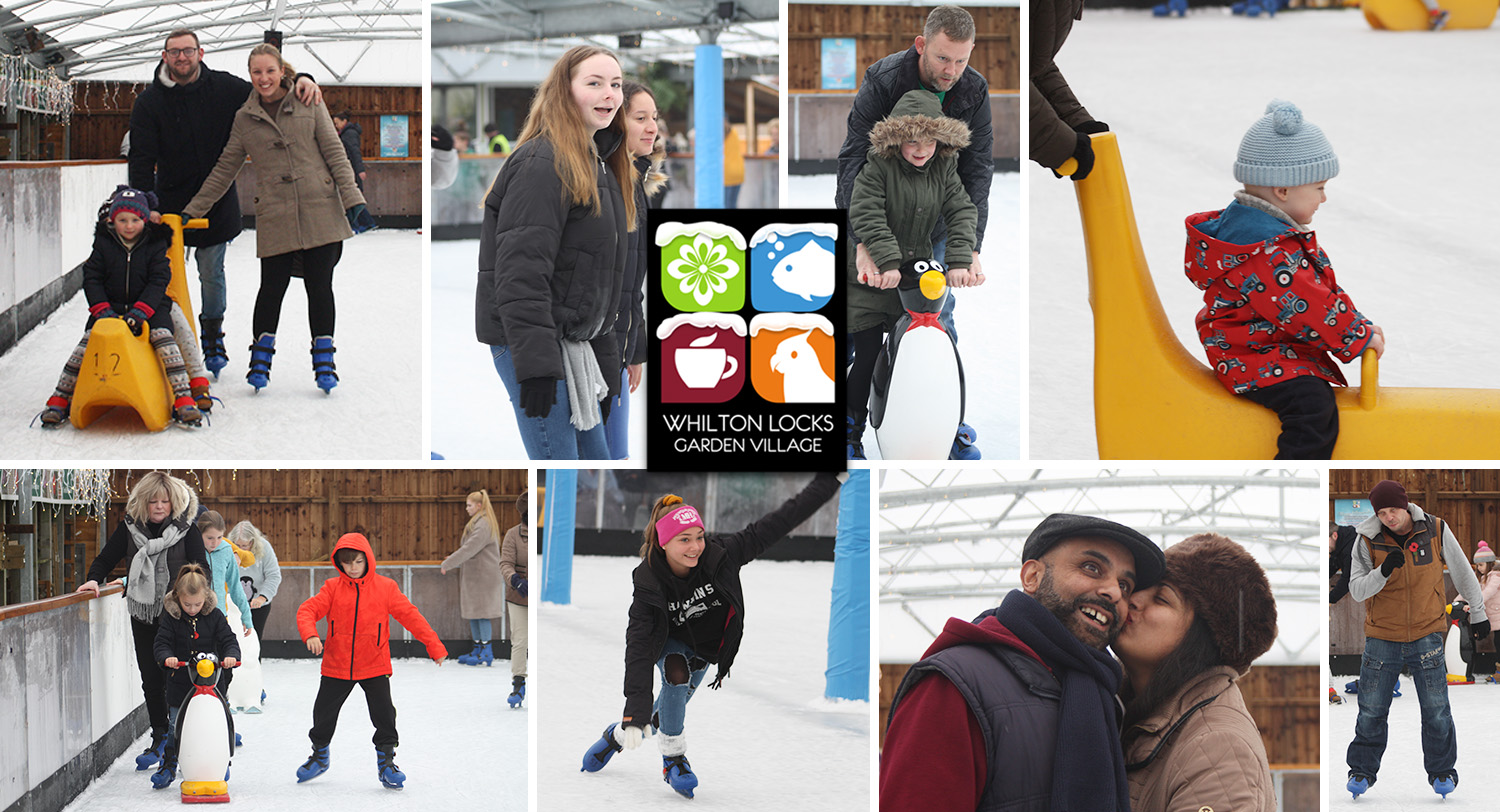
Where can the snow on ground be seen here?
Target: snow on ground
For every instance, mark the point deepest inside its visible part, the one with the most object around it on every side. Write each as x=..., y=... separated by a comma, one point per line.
x=987, y=318
x=1402, y=784
x=374, y=413
x=471, y=416
x=460, y=743
x=766, y=740
x=1405, y=221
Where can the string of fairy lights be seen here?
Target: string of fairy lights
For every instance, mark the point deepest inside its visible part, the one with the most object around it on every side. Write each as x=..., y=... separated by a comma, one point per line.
x=25, y=86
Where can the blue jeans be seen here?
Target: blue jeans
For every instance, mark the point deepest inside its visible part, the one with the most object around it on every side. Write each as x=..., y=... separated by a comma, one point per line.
x=617, y=427
x=1378, y=672
x=480, y=629
x=671, y=700
x=211, y=279
x=732, y=196
x=552, y=437
x=939, y=252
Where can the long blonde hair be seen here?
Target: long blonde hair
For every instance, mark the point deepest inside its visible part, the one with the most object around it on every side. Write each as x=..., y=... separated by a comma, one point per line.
x=649, y=546
x=488, y=514
x=288, y=73
x=153, y=483
x=554, y=116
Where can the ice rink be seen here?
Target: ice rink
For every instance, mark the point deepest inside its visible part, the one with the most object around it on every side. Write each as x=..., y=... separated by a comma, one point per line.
x=460, y=744
x=988, y=318
x=374, y=413
x=1406, y=220
x=766, y=740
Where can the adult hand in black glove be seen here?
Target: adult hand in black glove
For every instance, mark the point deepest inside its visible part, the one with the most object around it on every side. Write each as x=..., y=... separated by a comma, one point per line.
x=518, y=583
x=1091, y=127
x=441, y=138
x=1083, y=153
x=135, y=319
x=1480, y=630
x=1392, y=562
x=538, y=395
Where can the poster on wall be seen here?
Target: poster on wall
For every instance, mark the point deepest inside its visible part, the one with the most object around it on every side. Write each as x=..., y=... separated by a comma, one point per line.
x=393, y=137
x=839, y=63
x=746, y=319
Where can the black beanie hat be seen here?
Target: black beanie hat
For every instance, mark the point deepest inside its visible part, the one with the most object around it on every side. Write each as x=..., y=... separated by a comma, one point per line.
x=1388, y=493
x=1229, y=590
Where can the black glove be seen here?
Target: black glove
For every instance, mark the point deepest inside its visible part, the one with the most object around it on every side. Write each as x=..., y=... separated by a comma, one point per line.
x=1091, y=127
x=604, y=407
x=353, y=213
x=1083, y=153
x=441, y=138
x=538, y=395
x=135, y=319
x=518, y=583
x=1392, y=562
x=1480, y=630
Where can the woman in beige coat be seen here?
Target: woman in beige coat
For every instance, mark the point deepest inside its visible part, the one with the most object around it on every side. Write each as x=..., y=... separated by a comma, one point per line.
x=513, y=558
x=479, y=585
x=305, y=197
x=1190, y=744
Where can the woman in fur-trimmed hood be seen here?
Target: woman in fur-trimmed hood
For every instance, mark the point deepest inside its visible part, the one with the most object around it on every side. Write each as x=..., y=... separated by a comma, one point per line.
x=896, y=203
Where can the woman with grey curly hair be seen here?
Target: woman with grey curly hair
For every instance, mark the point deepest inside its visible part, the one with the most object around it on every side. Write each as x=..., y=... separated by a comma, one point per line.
x=260, y=579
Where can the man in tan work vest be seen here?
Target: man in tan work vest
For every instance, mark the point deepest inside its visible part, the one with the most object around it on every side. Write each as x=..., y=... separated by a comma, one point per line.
x=1397, y=571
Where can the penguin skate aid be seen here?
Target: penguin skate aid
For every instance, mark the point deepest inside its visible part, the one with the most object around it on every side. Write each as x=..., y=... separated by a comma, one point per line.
x=687, y=612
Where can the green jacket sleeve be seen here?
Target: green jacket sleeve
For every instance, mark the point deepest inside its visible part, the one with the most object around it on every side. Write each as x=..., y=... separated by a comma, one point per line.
x=867, y=215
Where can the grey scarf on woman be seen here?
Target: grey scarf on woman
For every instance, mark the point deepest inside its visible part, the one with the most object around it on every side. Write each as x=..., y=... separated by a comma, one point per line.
x=149, y=577
x=585, y=383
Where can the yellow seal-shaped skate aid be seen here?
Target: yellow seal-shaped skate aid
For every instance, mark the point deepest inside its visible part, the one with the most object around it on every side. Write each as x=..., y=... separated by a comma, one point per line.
x=932, y=284
x=205, y=668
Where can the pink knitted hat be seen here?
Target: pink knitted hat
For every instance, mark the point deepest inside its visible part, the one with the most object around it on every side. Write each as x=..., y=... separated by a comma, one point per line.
x=1484, y=553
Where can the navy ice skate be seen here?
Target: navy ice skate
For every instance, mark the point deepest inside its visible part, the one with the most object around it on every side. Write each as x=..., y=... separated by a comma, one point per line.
x=323, y=366
x=316, y=765
x=261, y=351
x=152, y=756
x=391, y=776
x=472, y=658
x=601, y=751
x=963, y=444
x=167, y=774
x=1359, y=784
x=678, y=774
x=517, y=692
x=1444, y=784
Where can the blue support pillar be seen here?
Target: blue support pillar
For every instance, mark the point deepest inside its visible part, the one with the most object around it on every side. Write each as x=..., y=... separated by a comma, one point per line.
x=708, y=123
x=562, y=507
x=848, y=673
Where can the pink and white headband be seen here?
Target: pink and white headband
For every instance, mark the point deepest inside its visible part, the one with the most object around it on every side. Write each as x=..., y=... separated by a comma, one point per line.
x=676, y=521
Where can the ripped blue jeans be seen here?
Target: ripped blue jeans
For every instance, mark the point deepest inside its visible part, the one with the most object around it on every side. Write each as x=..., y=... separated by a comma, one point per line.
x=670, y=709
x=1378, y=672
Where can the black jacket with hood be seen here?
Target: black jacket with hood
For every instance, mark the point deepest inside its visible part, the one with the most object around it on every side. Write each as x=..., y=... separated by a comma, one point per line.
x=719, y=565
x=968, y=101
x=176, y=135
x=184, y=636
x=550, y=269
x=630, y=319
x=130, y=277
x=350, y=136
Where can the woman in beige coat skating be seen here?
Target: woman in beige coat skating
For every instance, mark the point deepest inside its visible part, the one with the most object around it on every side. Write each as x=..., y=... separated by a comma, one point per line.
x=480, y=591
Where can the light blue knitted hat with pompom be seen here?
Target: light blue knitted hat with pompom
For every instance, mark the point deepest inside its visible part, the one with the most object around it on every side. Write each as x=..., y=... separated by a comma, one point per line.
x=1283, y=149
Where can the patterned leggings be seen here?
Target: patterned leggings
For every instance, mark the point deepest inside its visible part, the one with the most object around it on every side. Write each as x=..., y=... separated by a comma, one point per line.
x=166, y=351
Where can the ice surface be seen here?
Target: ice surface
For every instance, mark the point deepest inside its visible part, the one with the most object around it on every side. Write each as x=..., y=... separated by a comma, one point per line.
x=987, y=318
x=766, y=740
x=375, y=413
x=459, y=743
x=1405, y=221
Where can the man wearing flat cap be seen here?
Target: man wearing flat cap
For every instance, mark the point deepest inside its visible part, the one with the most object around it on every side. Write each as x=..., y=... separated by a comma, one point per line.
x=1397, y=570
x=997, y=707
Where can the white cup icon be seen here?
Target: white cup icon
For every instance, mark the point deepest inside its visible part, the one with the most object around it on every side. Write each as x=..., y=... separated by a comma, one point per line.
x=704, y=367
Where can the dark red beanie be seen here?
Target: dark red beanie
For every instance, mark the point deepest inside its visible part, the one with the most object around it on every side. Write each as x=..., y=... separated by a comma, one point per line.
x=1388, y=493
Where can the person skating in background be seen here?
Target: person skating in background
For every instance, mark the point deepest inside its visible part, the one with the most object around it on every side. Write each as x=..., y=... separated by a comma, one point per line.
x=191, y=623
x=1273, y=312
x=688, y=611
x=479, y=580
x=1397, y=570
x=261, y=579
x=349, y=135
x=1340, y=548
x=302, y=218
x=514, y=554
x=909, y=182
x=1488, y=571
x=359, y=603
x=1060, y=125
x=126, y=277
x=159, y=537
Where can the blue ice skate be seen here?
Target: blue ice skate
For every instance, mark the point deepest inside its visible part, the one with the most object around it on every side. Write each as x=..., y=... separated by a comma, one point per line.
x=517, y=692
x=316, y=765
x=678, y=774
x=1444, y=784
x=391, y=776
x=1359, y=784
x=601, y=752
x=152, y=756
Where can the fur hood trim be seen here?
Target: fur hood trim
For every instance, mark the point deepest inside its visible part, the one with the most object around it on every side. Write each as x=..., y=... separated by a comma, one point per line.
x=173, y=608
x=888, y=134
x=651, y=168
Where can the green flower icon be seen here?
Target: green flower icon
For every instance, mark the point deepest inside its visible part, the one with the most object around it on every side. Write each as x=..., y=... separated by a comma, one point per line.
x=703, y=267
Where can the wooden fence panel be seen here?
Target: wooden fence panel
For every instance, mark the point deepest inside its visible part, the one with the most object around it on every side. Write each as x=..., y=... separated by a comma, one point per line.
x=883, y=30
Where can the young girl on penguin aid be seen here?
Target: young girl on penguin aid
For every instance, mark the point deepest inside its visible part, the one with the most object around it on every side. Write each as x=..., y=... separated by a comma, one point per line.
x=909, y=182
x=1273, y=316
x=689, y=612
x=126, y=277
x=191, y=623
x=359, y=604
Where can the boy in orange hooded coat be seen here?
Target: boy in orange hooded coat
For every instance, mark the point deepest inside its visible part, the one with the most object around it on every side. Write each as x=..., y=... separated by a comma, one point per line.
x=359, y=605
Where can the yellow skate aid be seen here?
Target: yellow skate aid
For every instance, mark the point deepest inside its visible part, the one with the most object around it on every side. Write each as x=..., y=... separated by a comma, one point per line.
x=121, y=369
x=1411, y=15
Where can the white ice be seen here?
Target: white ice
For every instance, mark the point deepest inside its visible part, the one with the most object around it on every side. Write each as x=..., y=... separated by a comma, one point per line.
x=1402, y=784
x=1407, y=221
x=472, y=418
x=460, y=743
x=766, y=740
x=374, y=413
x=987, y=318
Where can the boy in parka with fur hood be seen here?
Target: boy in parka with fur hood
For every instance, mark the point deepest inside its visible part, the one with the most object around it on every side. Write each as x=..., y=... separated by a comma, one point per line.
x=910, y=180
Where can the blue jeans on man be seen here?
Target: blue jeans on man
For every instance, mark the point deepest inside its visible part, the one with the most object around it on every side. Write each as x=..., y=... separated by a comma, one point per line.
x=552, y=437
x=210, y=259
x=1378, y=672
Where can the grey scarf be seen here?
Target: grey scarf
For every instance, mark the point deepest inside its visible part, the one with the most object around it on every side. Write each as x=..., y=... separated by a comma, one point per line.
x=585, y=383
x=149, y=578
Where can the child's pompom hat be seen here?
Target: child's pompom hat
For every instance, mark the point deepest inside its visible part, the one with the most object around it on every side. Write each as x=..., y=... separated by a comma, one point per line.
x=1484, y=554
x=132, y=200
x=1284, y=149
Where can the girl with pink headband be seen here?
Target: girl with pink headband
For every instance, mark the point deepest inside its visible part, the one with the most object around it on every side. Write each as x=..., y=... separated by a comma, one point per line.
x=688, y=612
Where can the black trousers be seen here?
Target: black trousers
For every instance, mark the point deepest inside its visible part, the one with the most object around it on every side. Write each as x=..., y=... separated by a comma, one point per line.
x=315, y=266
x=258, y=620
x=864, y=348
x=153, y=675
x=1309, y=417
x=331, y=695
